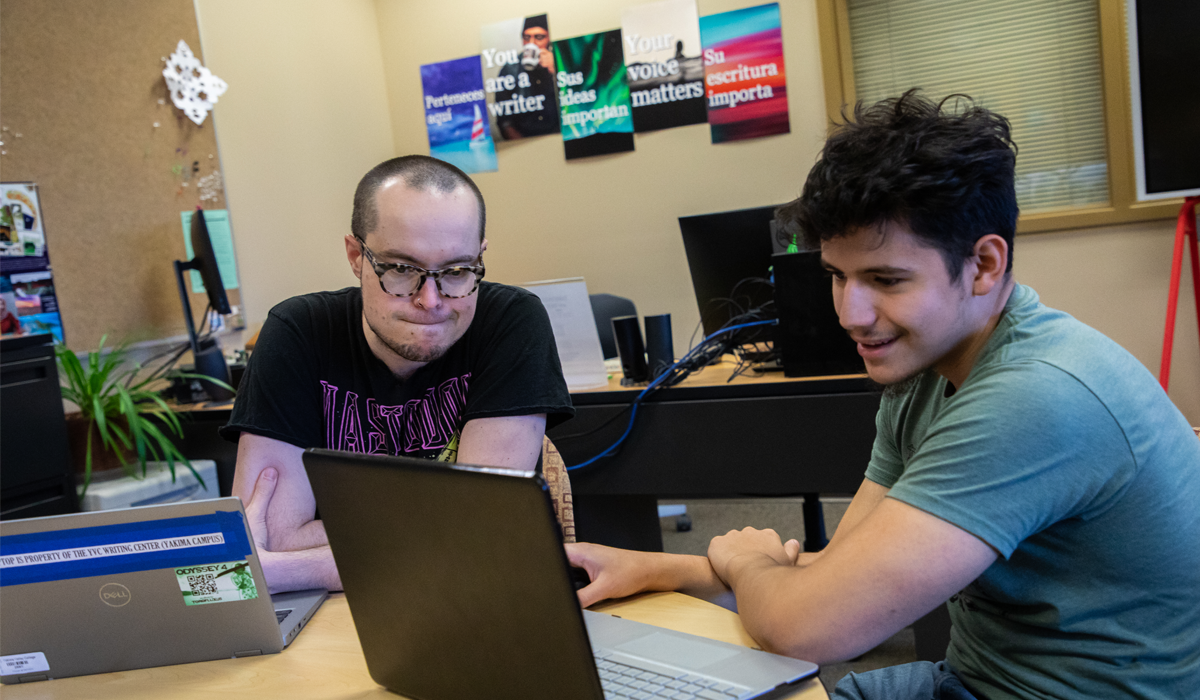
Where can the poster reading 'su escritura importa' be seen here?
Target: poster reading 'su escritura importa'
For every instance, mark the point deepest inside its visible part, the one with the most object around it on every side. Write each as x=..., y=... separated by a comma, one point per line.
x=593, y=95
x=744, y=79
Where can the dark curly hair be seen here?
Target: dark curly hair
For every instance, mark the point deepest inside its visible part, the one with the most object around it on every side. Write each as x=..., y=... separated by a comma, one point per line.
x=947, y=175
x=419, y=173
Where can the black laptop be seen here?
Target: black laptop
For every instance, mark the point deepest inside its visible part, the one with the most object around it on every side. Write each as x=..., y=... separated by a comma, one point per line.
x=459, y=587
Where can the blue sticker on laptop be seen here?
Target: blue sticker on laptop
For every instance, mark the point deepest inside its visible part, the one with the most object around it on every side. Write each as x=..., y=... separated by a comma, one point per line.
x=105, y=550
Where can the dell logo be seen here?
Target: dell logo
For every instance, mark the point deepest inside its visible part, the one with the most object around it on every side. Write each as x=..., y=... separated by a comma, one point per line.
x=115, y=595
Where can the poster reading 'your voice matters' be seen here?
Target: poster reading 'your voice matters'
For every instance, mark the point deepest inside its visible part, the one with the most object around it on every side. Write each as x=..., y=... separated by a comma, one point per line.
x=663, y=64
x=593, y=95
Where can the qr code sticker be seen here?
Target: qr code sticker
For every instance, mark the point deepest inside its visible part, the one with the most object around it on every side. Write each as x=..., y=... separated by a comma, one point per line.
x=224, y=582
x=205, y=584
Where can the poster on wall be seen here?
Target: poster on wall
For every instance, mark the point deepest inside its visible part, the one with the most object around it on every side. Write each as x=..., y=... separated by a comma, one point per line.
x=518, y=75
x=593, y=95
x=455, y=102
x=743, y=73
x=663, y=64
x=28, y=303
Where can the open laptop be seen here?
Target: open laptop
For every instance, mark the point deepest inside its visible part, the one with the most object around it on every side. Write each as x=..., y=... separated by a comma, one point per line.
x=136, y=588
x=459, y=588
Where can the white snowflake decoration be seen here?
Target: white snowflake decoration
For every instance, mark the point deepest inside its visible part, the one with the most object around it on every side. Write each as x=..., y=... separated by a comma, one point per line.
x=194, y=89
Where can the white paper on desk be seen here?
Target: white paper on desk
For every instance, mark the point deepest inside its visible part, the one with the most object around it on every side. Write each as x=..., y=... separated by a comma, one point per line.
x=570, y=311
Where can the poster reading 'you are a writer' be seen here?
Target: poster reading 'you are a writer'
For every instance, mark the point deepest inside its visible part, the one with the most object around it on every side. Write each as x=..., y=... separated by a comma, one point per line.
x=455, y=104
x=518, y=75
x=743, y=73
x=593, y=95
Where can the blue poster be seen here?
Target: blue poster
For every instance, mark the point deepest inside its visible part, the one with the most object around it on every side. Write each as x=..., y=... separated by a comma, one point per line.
x=455, y=114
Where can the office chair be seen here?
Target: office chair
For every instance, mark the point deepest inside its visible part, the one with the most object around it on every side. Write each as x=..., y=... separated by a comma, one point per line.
x=606, y=307
x=554, y=473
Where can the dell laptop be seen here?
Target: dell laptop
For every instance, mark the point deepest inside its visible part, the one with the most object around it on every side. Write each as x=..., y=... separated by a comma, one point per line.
x=136, y=588
x=459, y=588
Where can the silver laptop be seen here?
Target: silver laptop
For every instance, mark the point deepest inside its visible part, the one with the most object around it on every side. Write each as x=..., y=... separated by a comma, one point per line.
x=136, y=588
x=459, y=588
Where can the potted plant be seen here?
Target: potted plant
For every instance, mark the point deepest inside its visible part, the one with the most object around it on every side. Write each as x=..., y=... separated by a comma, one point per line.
x=122, y=415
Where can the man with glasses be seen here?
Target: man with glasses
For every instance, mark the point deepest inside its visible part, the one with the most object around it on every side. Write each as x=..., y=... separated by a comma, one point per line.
x=534, y=80
x=423, y=359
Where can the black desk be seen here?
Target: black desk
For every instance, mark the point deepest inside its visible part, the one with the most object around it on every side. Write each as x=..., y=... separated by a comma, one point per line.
x=705, y=438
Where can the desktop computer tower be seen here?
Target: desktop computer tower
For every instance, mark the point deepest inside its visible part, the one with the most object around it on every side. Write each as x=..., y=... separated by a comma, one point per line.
x=36, y=477
x=809, y=339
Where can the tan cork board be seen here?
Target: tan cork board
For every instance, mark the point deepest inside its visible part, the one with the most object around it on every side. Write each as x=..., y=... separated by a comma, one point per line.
x=81, y=82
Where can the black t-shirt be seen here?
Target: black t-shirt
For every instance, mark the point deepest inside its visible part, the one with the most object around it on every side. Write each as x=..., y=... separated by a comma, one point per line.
x=313, y=381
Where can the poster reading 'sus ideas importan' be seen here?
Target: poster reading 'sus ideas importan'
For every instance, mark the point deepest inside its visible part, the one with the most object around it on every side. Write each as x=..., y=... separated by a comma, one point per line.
x=455, y=105
x=743, y=73
x=593, y=95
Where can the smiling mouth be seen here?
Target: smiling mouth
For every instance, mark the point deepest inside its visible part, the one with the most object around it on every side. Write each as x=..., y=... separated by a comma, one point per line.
x=869, y=348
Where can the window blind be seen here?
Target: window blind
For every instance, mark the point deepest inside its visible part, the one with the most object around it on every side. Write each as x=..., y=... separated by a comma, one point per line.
x=1037, y=62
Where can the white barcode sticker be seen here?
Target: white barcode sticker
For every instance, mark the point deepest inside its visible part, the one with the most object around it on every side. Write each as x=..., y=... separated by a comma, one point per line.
x=16, y=664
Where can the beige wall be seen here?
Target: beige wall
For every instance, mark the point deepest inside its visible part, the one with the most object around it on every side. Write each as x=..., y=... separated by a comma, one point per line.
x=293, y=154
x=304, y=117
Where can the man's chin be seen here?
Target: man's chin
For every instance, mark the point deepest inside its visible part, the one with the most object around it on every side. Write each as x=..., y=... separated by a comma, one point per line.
x=895, y=387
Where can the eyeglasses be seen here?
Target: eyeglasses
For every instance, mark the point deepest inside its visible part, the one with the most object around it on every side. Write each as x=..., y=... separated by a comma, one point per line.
x=401, y=280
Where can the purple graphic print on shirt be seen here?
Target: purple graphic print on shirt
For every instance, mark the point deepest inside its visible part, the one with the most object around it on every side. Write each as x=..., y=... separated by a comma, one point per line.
x=427, y=423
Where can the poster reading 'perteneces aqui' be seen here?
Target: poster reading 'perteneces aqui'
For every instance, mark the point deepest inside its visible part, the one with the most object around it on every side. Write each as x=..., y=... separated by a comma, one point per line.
x=455, y=105
x=663, y=64
x=518, y=74
x=743, y=73
x=593, y=95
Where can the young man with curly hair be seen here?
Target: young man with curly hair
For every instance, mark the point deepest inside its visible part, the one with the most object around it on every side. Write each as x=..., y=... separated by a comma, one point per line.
x=1026, y=468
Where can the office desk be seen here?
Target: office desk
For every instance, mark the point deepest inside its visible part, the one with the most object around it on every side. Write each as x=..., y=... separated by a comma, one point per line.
x=708, y=438
x=326, y=660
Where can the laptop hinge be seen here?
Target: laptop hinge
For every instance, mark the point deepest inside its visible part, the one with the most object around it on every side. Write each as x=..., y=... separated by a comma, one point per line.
x=31, y=679
x=240, y=654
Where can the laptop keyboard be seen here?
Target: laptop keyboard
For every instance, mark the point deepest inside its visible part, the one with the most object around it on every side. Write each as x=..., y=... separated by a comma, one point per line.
x=622, y=681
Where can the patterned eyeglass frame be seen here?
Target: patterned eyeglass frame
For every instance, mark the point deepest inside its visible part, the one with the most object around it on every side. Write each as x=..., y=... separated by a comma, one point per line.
x=435, y=275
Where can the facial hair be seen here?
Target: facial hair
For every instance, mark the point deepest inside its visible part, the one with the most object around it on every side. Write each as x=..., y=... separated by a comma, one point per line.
x=412, y=353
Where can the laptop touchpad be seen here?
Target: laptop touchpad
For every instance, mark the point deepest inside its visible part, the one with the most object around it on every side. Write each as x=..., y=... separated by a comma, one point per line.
x=678, y=651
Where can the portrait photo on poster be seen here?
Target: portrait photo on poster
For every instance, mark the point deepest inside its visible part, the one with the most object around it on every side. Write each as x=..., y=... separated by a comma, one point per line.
x=518, y=75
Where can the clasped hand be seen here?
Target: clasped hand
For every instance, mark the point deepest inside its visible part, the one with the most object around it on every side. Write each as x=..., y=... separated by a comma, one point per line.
x=730, y=552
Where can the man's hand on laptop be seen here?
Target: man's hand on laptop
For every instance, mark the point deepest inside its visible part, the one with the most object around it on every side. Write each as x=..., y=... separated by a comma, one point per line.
x=617, y=573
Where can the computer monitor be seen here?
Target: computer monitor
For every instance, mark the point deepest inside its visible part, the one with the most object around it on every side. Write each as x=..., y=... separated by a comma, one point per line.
x=205, y=351
x=724, y=251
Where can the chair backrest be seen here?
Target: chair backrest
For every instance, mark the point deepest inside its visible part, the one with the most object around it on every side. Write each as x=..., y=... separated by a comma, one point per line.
x=606, y=307
x=554, y=471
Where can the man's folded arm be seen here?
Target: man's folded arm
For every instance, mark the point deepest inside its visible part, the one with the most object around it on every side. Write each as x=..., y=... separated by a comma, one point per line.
x=894, y=566
x=293, y=548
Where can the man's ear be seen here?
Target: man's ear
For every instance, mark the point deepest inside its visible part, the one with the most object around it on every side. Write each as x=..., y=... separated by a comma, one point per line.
x=991, y=263
x=354, y=255
x=483, y=246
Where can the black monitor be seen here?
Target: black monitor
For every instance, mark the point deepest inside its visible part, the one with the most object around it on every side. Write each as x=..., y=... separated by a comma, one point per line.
x=1164, y=64
x=725, y=251
x=205, y=351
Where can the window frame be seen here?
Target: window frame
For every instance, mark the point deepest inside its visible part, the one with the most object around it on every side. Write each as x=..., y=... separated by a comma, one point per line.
x=837, y=68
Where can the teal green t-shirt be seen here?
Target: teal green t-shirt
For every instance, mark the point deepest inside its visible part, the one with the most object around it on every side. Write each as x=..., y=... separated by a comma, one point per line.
x=1062, y=452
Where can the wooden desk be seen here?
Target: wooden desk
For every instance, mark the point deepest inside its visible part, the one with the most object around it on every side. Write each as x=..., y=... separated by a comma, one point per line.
x=326, y=660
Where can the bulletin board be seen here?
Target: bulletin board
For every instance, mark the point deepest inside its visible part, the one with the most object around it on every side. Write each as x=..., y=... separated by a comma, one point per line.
x=87, y=116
